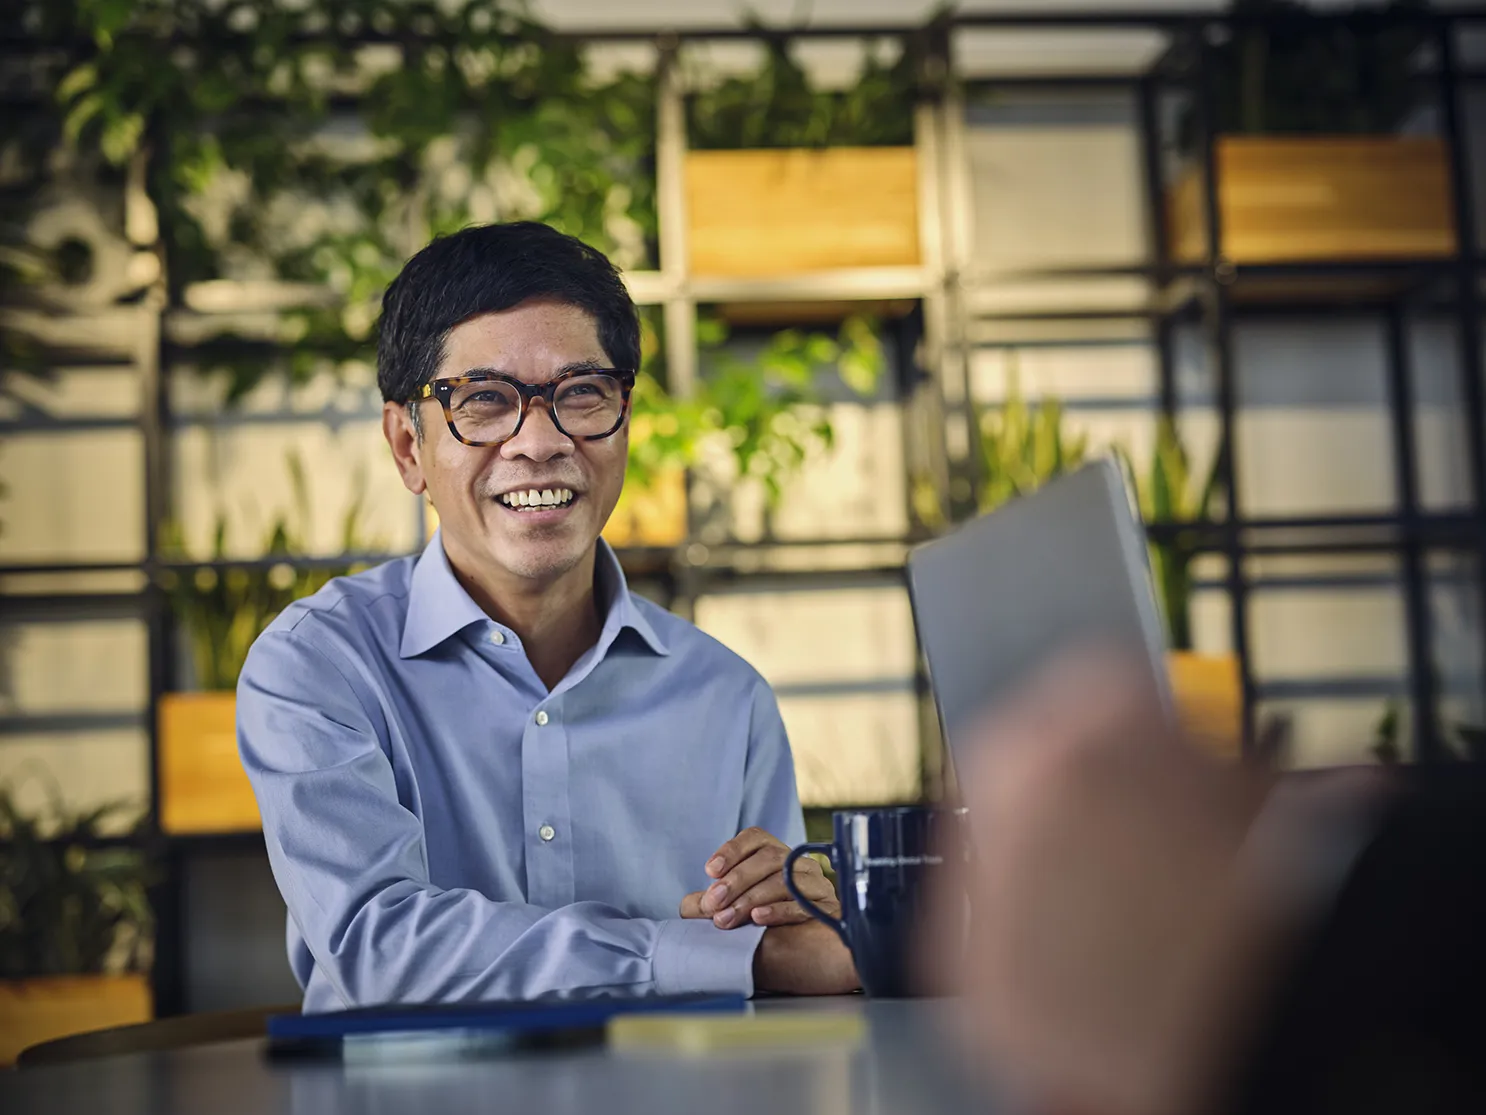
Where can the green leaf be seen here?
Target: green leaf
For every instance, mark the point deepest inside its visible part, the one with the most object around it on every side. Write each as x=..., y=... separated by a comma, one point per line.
x=82, y=78
x=80, y=114
x=121, y=136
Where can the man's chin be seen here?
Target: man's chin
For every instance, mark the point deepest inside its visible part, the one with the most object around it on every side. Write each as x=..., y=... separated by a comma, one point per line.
x=539, y=559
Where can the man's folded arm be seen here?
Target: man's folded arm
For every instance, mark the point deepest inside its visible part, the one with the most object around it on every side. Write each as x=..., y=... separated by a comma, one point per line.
x=351, y=862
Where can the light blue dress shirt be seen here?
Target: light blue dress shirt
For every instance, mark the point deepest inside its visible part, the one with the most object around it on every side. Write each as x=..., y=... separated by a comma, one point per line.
x=444, y=828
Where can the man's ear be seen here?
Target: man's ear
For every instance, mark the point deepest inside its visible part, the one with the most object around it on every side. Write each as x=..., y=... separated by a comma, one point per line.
x=407, y=449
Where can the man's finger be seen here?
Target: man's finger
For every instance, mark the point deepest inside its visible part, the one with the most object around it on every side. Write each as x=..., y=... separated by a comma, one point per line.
x=789, y=913
x=771, y=892
x=736, y=850
x=766, y=861
x=691, y=906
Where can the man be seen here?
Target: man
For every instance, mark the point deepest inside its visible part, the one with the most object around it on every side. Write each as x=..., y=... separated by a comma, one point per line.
x=1156, y=933
x=491, y=772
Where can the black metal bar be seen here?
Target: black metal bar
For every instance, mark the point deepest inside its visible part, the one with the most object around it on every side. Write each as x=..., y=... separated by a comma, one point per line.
x=1415, y=588
x=1148, y=101
x=67, y=723
x=64, y=567
x=1469, y=308
x=81, y=607
x=1220, y=343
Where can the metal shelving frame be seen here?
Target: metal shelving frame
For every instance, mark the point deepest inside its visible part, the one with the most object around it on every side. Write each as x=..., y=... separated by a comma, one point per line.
x=937, y=411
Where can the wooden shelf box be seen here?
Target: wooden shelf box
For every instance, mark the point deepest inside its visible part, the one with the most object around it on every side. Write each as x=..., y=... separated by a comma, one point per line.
x=37, y=1010
x=1208, y=692
x=1292, y=199
x=781, y=212
x=202, y=785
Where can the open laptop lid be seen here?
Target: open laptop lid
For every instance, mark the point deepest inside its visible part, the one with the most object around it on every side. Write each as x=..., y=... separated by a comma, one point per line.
x=1004, y=593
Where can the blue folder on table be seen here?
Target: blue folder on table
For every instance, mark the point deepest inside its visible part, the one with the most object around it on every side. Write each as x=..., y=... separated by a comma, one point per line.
x=499, y=1024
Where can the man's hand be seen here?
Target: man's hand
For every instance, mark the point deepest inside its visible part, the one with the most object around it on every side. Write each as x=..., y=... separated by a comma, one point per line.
x=1130, y=915
x=750, y=889
x=807, y=959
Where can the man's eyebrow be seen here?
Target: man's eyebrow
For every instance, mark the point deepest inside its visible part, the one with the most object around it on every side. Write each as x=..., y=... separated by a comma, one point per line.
x=576, y=366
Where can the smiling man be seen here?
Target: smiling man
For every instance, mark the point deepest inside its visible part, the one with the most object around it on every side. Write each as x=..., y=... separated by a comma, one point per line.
x=490, y=772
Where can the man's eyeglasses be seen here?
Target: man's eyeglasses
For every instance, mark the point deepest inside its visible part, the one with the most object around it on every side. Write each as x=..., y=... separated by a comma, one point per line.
x=488, y=408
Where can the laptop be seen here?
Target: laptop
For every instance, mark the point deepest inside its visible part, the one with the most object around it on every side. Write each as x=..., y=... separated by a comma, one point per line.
x=1006, y=592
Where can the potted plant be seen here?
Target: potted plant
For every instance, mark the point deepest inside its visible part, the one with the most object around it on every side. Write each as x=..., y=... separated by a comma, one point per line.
x=766, y=411
x=1308, y=159
x=223, y=608
x=1022, y=447
x=1208, y=687
x=782, y=178
x=75, y=923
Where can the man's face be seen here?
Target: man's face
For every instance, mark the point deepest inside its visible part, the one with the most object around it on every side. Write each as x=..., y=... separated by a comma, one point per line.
x=532, y=342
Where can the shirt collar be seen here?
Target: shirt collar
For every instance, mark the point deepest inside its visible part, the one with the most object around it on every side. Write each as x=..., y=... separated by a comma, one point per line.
x=439, y=606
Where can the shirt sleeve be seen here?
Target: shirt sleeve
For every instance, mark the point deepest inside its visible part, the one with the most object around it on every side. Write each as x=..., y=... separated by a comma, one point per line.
x=771, y=800
x=352, y=865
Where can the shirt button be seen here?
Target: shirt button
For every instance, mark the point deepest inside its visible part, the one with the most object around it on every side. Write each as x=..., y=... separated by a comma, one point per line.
x=546, y=832
x=497, y=638
x=542, y=723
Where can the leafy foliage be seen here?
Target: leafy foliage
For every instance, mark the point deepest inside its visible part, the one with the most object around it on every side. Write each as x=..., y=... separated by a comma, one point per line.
x=1171, y=492
x=326, y=141
x=777, y=107
x=1303, y=76
x=225, y=607
x=69, y=904
x=1023, y=447
x=767, y=409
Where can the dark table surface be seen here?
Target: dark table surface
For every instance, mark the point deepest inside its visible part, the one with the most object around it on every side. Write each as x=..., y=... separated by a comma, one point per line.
x=900, y=1066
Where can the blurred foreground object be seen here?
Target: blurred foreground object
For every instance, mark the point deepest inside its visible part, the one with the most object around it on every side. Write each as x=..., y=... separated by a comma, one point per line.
x=1156, y=932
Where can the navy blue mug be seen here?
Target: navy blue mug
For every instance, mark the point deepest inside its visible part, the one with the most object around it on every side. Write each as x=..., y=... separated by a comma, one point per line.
x=883, y=860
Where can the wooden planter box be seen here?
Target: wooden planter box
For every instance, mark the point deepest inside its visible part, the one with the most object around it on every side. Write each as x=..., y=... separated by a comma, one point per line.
x=653, y=516
x=1287, y=199
x=781, y=212
x=202, y=784
x=1209, y=700
x=38, y=1010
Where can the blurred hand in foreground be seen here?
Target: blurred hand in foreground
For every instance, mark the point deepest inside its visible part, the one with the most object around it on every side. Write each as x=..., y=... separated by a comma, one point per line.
x=1128, y=915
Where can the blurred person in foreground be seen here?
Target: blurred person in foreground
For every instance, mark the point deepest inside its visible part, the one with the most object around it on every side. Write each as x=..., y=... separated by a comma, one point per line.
x=490, y=771
x=1153, y=932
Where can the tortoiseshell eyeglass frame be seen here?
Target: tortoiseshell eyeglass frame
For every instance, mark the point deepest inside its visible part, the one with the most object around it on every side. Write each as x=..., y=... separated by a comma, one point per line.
x=442, y=389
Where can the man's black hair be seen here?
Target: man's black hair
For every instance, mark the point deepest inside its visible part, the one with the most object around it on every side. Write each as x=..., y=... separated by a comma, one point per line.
x=487, y=268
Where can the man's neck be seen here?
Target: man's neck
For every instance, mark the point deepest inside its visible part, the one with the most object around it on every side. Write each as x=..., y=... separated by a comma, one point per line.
x=557, y=622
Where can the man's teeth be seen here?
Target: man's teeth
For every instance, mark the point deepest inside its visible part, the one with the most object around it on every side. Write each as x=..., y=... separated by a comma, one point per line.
x=532, y=497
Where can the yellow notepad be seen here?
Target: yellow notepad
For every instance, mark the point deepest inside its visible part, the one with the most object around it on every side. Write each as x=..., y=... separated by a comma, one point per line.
x=723, y=1033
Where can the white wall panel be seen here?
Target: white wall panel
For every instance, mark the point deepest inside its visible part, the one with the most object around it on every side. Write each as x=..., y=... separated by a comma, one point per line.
x=59, y=668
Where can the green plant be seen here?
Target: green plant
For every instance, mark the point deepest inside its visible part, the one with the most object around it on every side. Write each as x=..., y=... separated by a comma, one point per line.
x=1386, y=747
x=1171, y=492
x=70, y=902
x=768, y=408
x=1020, y=446
x=777, y=107
x=326, y=140
x=1301, y=75
x=226, y=607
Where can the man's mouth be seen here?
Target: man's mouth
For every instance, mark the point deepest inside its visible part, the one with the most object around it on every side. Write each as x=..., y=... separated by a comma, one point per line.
x=538, y=499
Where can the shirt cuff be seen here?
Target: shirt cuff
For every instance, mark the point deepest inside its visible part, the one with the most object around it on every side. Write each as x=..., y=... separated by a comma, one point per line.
x=693, y=956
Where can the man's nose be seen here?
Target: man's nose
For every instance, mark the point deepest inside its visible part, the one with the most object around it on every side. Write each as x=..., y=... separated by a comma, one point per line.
x=539, y=439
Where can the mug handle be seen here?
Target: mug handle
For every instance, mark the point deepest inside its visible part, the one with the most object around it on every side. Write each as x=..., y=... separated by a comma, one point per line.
x=810, y=907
